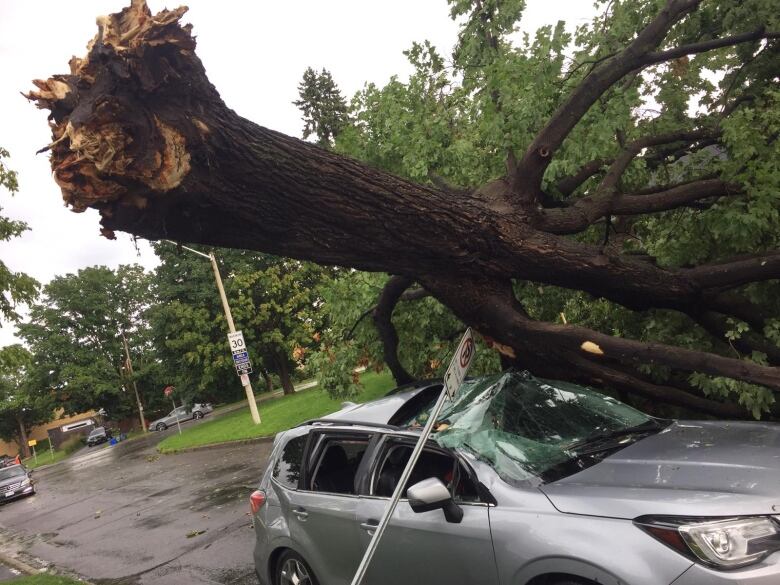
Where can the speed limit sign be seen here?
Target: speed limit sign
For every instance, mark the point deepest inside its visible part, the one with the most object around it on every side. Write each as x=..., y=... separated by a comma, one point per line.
x=240, y=353
x=236, y=341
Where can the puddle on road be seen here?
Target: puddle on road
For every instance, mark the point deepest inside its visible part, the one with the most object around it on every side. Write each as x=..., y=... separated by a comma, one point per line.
x=212, y=497
x=219, y=471
x=131, y=580
x=151, y=522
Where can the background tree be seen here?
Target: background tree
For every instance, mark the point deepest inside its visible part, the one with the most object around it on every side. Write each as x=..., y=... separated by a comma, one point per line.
x=75, y=334
x=23, y=403
x=15, y=287
x=324, y=108
x=273, y=302
x=610, y=219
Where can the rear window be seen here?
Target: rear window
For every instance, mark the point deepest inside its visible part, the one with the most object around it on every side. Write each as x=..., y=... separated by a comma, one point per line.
x=287, y=469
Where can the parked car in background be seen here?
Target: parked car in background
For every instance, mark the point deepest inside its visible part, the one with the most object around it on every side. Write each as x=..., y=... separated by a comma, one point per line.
x=525, y=482
x=181, y=413
x=15, y=482
x=97, y=436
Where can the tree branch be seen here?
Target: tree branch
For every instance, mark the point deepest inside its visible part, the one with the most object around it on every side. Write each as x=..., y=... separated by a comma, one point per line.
x=539, y=154
x=359, y=320
x=717, y=326
x=408, y=295
x=586, y=211
x=704, y=46
x=494, y=308
x=737, y=272
x=568, y=185
x=736, y=306
x=383, y=319
x=634, y=384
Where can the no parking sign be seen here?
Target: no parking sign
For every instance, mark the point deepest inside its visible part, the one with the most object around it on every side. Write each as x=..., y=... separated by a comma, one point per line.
x=460, y=364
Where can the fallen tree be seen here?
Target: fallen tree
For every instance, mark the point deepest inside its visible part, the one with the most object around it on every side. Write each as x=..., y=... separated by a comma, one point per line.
x=141, y=135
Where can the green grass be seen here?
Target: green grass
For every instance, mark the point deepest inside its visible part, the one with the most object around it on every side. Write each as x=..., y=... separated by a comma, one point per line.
x=46, y=457
x=261, y=395
x=277, y=414
x=44, y=579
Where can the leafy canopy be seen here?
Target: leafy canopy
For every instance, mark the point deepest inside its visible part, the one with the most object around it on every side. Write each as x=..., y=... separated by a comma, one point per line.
x=455, y=119
x=15, y=287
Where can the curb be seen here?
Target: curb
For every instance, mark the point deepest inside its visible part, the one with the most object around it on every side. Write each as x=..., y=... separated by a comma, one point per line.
x=15, y=563
x=223, y=445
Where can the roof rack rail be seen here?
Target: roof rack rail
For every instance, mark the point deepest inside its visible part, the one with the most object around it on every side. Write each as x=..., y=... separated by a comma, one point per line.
x=349, y=423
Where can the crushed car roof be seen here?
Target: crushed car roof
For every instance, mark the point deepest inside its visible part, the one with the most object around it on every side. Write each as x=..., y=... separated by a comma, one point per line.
x=384, y=410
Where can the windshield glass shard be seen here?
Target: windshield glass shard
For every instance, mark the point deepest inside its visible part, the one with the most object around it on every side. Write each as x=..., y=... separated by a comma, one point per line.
x=524, y=426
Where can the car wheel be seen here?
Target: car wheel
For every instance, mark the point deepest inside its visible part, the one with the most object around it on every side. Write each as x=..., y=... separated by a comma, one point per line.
x=293, y=570
x=197, y=415
x=161, y=426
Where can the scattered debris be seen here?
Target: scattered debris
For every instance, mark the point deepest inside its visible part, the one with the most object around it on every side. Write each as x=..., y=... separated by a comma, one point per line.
x=152, y=458
x=194, y=533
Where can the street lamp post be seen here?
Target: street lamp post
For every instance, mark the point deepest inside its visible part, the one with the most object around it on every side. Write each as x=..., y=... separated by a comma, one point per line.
x=250, y=396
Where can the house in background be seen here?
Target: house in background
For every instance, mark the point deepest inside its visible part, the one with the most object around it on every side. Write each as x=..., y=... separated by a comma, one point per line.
x=58, y=431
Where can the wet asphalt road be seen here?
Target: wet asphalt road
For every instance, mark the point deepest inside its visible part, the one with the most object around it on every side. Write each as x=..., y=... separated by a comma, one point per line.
x=125, y=515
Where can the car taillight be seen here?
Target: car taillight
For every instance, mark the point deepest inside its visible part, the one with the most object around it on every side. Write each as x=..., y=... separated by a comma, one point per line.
x=256, y=501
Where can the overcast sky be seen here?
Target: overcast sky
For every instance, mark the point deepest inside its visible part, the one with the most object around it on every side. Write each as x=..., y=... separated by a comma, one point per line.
x=255, y=54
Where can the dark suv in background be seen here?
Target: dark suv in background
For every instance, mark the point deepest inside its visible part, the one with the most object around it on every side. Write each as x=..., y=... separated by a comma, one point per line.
x=98, y=436
x=15, y=482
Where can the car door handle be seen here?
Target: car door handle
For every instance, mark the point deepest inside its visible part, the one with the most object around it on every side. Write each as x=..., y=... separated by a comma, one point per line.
x=301, y=513
x=369, y=526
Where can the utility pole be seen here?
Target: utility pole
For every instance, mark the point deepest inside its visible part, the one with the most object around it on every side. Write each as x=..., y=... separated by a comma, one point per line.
x=250, y=396
x=135, y=386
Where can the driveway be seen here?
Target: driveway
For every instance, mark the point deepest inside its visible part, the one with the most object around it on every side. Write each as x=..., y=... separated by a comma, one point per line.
x=126, y=515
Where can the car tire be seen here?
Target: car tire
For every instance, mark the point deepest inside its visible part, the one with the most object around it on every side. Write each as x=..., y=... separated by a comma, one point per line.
x=197, y=415
x=292, y=568
x=161, y=427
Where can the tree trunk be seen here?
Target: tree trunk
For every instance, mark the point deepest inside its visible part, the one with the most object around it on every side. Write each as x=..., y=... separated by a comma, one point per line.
x=141, y=135
x=284, y=373
x=23, y=446
x=269, y=383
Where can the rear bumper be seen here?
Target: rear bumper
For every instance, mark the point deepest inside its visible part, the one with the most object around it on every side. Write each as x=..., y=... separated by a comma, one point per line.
x=765, y=573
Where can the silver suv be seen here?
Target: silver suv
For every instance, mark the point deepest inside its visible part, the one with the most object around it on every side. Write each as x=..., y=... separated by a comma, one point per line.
x=526, y=482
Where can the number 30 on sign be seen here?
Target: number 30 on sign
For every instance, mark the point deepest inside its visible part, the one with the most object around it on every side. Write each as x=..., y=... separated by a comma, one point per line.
x=236, y=341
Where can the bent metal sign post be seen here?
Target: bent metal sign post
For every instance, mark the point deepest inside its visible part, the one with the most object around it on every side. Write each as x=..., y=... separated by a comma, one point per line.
x=460, y=364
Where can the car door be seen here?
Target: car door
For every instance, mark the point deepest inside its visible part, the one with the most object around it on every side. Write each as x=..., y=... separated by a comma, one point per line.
x=177, y=414
x=321, y=513
x=424, y=547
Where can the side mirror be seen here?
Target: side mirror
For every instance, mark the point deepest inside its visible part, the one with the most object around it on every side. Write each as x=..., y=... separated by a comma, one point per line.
x=431, y=494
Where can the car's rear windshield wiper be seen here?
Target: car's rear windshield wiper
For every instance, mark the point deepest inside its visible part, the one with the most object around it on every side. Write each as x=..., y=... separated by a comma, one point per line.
x=581, y=447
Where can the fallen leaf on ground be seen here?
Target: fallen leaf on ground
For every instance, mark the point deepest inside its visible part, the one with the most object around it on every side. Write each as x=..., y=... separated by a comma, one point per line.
x=195, y=533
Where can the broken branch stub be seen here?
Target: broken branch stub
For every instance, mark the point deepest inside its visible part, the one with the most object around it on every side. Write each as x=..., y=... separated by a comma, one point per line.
x=111, y=142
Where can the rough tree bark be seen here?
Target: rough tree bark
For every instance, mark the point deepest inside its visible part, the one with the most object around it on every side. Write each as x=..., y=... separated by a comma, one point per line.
x=143, y=137
x=284, y=373
x=23, y=446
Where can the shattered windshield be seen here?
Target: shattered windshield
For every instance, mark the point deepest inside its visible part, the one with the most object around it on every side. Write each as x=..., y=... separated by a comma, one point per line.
x=523, y=426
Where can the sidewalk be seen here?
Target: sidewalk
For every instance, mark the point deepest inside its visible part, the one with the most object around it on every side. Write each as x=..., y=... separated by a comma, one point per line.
x=261, y=398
